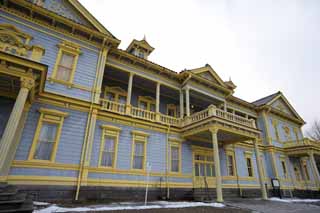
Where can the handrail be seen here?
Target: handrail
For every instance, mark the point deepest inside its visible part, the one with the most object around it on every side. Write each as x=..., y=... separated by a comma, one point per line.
x=142, y=113
x=113, y=106
x=211, y=111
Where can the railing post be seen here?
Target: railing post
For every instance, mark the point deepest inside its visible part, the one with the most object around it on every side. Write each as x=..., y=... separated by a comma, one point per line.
x=212, y=110
x=128, y=109
x=253, y=122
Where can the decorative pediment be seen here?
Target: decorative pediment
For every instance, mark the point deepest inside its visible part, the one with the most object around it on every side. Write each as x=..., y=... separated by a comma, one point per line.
x=72, y=10
x=16, y=42
x=208, y=74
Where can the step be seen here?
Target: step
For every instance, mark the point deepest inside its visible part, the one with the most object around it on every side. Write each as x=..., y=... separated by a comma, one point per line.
x=18, y=198
x=26, y=207
x=8, y=190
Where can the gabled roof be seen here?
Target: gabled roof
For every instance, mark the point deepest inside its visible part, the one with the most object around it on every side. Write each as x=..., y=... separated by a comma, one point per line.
x=142, y=43
x=212, y=75
x=89, y=17
x=269, y=100
x=265, y=100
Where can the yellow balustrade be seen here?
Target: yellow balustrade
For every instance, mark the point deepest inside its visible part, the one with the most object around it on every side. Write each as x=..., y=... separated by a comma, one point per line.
x=211, y=111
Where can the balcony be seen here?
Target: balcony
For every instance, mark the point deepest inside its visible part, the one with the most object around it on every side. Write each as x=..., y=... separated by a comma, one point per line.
x=300, y=147
x=210, y=112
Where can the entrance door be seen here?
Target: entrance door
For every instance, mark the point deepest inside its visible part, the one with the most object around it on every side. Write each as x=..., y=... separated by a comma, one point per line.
x=203, y=170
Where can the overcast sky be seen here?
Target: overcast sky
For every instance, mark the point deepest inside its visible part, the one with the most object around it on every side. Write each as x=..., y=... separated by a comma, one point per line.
x=264, y=46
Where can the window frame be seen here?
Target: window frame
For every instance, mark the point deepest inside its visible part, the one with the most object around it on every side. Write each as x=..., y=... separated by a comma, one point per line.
x=306, y=173
x=276, y=130
x=205, y=153
x=53, y=117
x=71, y=49
x=109, y=131
x=116, y=91
x=248, y=156
x=149, y=100
x=142, y=137
x=230, y=152
x=172, y=107
x=175, y=144
x=284, y=168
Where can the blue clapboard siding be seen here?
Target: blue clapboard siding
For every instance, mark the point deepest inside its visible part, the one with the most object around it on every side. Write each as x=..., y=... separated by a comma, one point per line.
x=71, y=140
x=42, y=172
x=86, y=66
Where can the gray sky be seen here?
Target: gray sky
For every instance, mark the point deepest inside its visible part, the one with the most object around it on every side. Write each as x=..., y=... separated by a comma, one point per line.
x=264, y=46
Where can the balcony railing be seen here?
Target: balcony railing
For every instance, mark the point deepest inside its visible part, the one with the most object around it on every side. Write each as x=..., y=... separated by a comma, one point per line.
x=298, y=143
x=211, y=111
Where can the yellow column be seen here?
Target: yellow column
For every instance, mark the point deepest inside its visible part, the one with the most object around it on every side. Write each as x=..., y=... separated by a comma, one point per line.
x=181, y=104
x=314, y=169
x=260, y=172
x=13, y=122
x=129, y=93
x=187, y=101
x=158, y=102
x=215, y=147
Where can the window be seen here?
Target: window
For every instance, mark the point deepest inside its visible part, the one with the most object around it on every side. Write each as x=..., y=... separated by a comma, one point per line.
x=230, y=165
x=109, y=146
x=230, y=161
x=47, y=135
x=139, y=150
x=147, y=103
x=296, y=134
x=172, y=110
x=175, y=155
x=249, y=166
x=297, y=173
x=204, y=164
x=66, y=63
x=284, y=169
x=305, y=169
x=116, y=94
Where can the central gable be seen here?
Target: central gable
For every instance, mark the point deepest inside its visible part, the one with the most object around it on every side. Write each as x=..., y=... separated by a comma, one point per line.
x=209, y=74
x=73, y=10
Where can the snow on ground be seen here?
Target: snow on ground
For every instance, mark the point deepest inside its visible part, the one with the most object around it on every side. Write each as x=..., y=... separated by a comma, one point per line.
x=292, y=200
x=127, y=206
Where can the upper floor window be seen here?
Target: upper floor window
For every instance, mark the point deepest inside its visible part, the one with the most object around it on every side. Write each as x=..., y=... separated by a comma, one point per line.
x=275, y=126
x=47, y=135
x=116, y=94
x=139, y=151
x=147, y=103
x=141, y=54
x=66, y=62
x=172, y=110
x=109, y=146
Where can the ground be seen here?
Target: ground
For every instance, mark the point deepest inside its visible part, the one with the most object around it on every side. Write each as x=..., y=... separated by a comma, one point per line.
x=272, y=205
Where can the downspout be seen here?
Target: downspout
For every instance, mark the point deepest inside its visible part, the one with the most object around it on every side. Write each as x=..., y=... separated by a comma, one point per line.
x=167, y=162
x=85, y=144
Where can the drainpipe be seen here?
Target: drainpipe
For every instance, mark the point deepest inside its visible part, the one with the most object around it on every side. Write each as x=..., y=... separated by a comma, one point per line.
x=167, y=162
x=85, y=143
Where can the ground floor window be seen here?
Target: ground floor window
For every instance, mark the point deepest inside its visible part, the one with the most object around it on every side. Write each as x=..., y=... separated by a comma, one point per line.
x=203, y=165
x=139, y=150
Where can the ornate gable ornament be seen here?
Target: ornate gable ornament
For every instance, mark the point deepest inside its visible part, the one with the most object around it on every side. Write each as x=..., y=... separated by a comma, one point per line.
x=16, y=42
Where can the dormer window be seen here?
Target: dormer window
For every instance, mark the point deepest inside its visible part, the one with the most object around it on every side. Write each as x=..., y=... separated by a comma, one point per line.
x=141, y=49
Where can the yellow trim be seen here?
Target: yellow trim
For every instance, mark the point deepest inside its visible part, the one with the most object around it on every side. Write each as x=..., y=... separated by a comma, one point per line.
x=113, y=132
x=172, y=107
x=71, y=49
x=248, y=156
x=230, y=152
x=140, y=137
x=176, y=145
x=53, y=117
x=148, y=100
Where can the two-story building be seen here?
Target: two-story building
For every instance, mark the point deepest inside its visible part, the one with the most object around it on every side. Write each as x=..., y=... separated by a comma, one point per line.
x=82, y=119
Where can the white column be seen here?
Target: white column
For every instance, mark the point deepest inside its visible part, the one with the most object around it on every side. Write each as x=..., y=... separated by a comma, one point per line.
x=129, y=93
x=13, y=122
x=260, y=172
x=181, y=104
x=314, y=169
x=158, y=98
x=187, y=101
x=214, y=136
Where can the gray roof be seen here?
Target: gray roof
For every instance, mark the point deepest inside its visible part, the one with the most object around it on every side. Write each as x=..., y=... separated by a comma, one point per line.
x=263, y=101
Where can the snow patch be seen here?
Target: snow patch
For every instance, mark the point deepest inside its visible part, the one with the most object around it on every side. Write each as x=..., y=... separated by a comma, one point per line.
x=128, y=206
x=37, y=203
x=291, y=200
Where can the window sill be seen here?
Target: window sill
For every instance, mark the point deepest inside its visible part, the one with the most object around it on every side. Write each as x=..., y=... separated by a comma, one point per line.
x=69, y=85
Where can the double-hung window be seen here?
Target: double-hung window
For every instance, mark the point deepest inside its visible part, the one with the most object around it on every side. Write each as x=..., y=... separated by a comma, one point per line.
x=139, y=145
x=248, y=158
x=231, y=167
x=47, y=135
x=175, y=156
x=66, y=62
x=109, y=146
